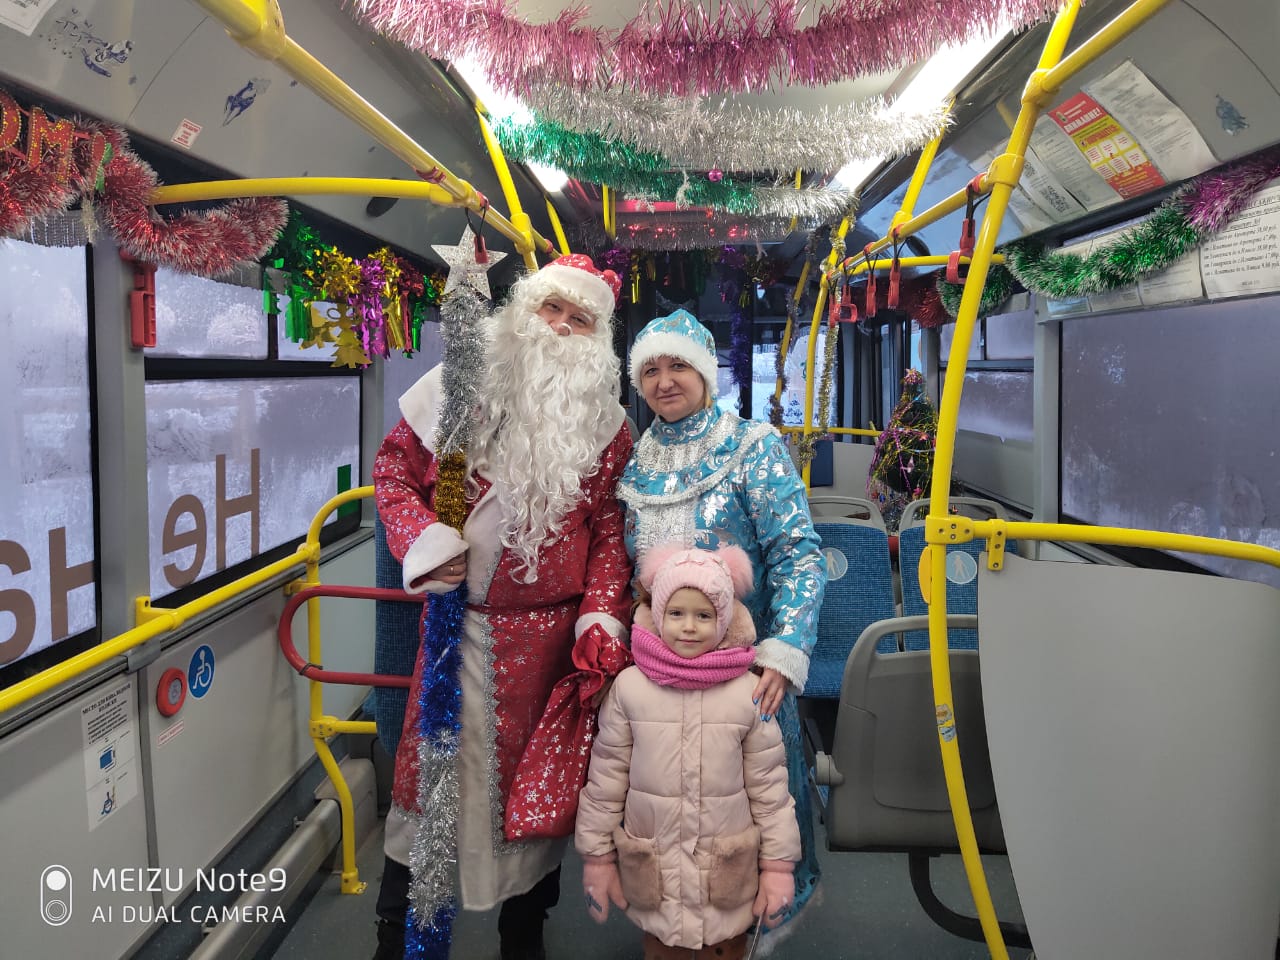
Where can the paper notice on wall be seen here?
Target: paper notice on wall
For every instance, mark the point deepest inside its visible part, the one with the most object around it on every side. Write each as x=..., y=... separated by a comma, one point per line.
x=1111, y=151
x=24, y=15
x=1059, y=153
x=1167, y=135
x=1244, y=257
x=1176, y=282
x=108, y=726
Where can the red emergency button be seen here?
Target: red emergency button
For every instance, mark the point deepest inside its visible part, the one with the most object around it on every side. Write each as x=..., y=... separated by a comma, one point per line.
x=172, y=691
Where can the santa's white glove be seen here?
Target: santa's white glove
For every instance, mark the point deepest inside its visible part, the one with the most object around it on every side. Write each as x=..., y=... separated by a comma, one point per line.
x=601, y=885
x=777, y=891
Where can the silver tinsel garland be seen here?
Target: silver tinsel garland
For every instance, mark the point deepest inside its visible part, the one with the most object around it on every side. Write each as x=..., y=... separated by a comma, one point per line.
x=462, y=327
x=814, y=204
x=693, y=133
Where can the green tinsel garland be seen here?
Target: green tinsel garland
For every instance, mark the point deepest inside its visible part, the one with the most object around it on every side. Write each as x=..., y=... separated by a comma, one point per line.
x=998, y=288
x=1152, y=245
x=1155, y=243
x=597, y=159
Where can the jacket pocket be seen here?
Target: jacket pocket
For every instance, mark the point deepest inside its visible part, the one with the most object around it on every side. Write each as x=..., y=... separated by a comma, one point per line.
x=638, y=870
x=734, y=877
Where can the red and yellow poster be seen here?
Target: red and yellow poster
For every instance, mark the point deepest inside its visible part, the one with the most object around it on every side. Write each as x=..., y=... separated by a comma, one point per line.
x=1111, y=151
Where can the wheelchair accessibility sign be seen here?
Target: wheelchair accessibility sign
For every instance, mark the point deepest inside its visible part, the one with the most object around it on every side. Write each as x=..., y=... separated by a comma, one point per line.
x=200, y=671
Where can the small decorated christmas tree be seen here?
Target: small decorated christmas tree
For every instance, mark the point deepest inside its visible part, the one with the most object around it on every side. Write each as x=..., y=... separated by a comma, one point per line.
x=902, y=466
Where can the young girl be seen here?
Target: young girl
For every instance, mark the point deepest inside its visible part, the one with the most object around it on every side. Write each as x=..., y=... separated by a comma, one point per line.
x=686, y=822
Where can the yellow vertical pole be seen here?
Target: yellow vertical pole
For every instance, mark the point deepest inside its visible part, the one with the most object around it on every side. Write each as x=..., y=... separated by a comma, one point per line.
x=811, y=374
x=519, y=219
x=1002, y=177
x=557, y=227
x=606, y=207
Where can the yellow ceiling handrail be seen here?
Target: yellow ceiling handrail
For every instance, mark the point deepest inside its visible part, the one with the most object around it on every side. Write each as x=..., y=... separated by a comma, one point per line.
x=301, y=186
x=258, y=26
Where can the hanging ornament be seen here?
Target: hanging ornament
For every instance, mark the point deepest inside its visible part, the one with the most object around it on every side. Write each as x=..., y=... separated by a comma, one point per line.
x=463, y=266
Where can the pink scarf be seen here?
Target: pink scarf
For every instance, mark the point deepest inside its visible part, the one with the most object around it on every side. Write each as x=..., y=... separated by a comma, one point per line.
x=666, y=668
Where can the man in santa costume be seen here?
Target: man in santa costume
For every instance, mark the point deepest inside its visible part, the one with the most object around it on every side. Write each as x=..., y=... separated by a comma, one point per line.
x=546, y=576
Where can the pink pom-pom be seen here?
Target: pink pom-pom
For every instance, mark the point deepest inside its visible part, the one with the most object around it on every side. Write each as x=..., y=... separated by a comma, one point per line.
x=739, y=564
x=654, y=559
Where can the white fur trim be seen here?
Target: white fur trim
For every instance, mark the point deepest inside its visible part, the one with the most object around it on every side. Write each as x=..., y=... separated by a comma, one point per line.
x=791, y=662
x=612, y=625
x=420, y=406
x=665, y=344
x=436, y=544
x=577, y=286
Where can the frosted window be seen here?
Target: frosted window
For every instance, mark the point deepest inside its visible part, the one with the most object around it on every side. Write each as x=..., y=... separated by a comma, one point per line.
x=946, y=334
x=196, y=317
x=278, y=446
x=1170, y=422
x=764, y=376
x=46, y=494
x=401, y=372
x=1011, y=336
x=997, y=403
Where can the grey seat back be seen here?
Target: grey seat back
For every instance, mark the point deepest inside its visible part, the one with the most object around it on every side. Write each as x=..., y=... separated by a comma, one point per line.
x=1131, y=720
x=884, y=774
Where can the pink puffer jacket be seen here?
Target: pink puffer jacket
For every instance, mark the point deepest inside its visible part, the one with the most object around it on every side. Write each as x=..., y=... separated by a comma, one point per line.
x=690, y=788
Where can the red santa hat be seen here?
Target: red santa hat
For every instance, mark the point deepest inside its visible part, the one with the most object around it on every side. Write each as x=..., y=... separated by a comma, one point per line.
x=575, y=278
x=721, y=576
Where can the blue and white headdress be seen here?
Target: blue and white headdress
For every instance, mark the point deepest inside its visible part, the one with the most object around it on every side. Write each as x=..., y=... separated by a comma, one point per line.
x=677, y=335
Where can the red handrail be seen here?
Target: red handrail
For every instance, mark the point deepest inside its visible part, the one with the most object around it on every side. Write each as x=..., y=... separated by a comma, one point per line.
x=313, y=671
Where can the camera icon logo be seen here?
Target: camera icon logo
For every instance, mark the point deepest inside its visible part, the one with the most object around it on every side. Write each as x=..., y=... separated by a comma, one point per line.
x=55, y=895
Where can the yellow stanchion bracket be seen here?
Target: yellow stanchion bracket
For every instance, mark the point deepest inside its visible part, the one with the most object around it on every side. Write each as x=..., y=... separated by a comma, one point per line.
x=323, y=728
x=996, y=537
x=144, y=612
x=1006, y=169
x=924, y=573
x=1037, y=93
x=296, y=586
x=950, y=529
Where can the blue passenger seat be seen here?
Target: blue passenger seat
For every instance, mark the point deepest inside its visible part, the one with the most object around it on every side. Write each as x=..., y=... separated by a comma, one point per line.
x=963, y=561
x=859, y=585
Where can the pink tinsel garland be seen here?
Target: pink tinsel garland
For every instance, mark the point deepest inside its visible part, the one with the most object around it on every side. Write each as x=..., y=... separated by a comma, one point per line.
x=209, y=244
x=679, y=49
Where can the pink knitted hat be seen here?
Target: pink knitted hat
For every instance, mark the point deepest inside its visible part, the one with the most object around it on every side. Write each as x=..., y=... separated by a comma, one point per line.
x=720, y=575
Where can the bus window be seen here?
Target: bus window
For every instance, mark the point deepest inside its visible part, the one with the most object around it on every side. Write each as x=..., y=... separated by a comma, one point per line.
x=48, y=589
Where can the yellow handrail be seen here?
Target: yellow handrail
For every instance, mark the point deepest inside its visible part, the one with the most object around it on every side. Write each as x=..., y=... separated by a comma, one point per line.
x=1000, y=180
x=851, y=431
x=855, y=267
x=837, y=245
x=301, y=186
x=258, y=26
x=518, y=217
x=557, y=227
x=321, y=726
x=152, y=622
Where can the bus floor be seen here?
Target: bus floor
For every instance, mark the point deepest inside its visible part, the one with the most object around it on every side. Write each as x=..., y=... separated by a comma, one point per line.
x=865, y=910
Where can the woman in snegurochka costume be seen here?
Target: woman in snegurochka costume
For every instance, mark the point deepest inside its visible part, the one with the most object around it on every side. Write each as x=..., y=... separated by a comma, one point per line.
x=706, y=478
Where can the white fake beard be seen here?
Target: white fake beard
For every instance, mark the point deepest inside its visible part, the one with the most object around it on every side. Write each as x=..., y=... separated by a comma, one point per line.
x=549, y=410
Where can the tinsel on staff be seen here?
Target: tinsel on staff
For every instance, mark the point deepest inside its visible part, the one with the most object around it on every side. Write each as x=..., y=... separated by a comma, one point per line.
x=433, y=856
x=692, y=133
x=678, y=47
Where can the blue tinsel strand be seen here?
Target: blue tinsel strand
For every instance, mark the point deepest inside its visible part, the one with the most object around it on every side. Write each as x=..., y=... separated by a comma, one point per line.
x=440, y=705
